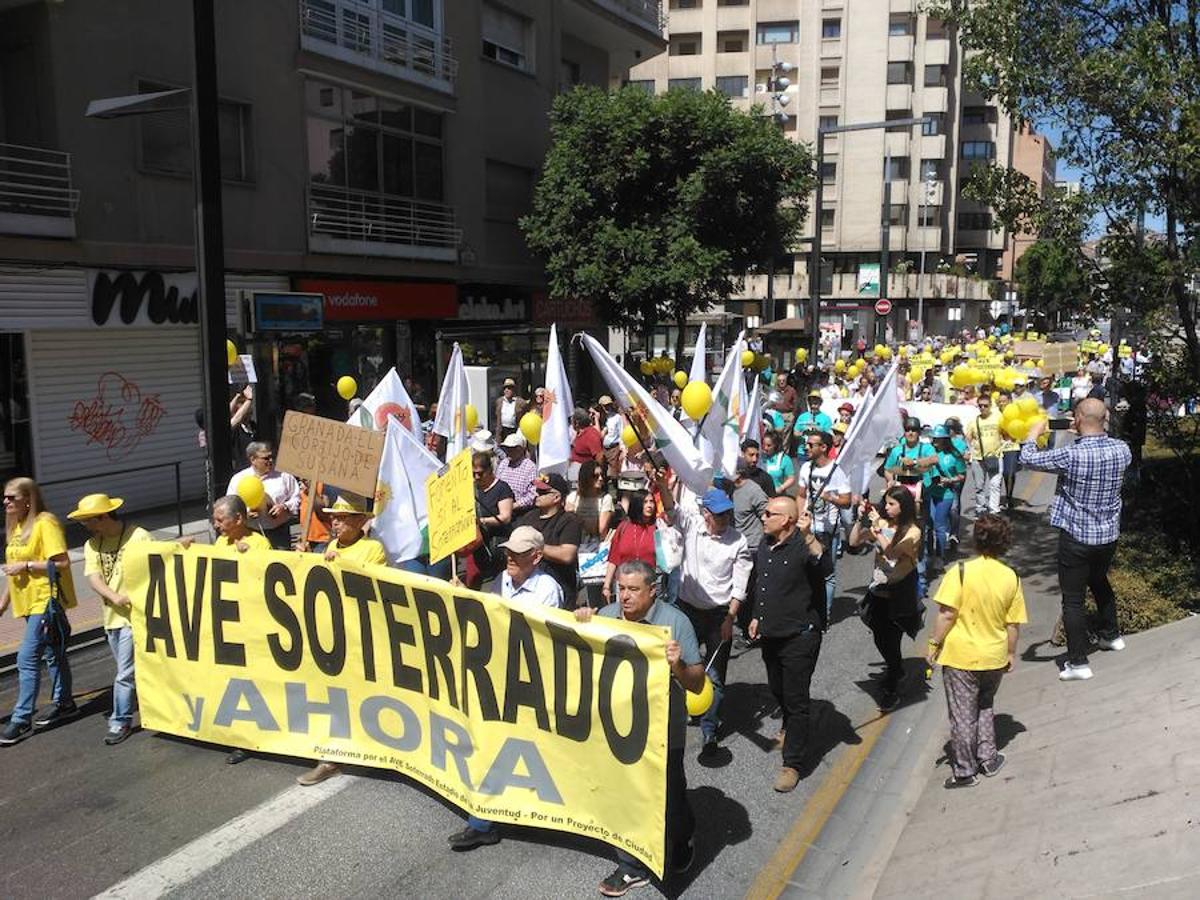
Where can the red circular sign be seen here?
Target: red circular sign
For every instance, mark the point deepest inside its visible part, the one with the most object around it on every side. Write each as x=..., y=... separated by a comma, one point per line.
x=883, y=306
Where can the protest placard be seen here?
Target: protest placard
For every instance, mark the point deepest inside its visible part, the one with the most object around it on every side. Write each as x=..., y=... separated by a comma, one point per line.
x=450, y=501
x=323, y=450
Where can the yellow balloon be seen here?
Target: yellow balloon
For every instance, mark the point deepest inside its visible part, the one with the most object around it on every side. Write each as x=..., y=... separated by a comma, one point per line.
x=904, y=350
x=251, y=490
x=647, y=367
x=628, y=436
x=696, y=400
x=231, y=354
x=747, y=358
x=885, y=352
x=802, y=355
x=472, y=415
x=347, y=387
x=960, y=377
x=1017, y=428
x=681, y=379
x=839, y=366
x=1012, y=411
x=531, y=427
x=1027, y=405
x=698, y=704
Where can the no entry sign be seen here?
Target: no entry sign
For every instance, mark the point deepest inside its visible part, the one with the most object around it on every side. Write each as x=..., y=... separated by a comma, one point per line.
x=883, y=306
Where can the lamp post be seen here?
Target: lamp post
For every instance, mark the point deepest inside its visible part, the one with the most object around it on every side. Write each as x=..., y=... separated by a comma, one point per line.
x=814, y=261
x=201, y=100
x=926, y=195
x=777, y=85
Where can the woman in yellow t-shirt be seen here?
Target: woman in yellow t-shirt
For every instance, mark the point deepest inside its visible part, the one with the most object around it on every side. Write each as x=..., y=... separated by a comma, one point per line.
x=35, y=542
x=981, y=608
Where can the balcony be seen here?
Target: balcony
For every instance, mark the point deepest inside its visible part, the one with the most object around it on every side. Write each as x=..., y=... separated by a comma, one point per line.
x=365, y=223
x=844, y=287
x=647, y=14
x=900, y=47
x=898, y=97
x=36, y=196
x=363, y=35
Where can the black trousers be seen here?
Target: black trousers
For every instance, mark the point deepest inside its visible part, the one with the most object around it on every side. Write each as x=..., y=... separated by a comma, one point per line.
x=790, y=663
x=887, y=634
x=681, y=821
x=1083, y=566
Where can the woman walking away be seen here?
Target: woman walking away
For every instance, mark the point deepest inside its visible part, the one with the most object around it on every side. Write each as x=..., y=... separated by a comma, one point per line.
x=981, y=608
x=949, y=475
x=891, y=607
x=38, y=569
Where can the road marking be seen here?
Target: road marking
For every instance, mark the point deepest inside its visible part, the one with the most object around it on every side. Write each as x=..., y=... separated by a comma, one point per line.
x=773, y=877
x=210, y=850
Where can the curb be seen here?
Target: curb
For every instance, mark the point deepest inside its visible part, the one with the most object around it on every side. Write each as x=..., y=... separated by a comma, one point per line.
x=77, y=641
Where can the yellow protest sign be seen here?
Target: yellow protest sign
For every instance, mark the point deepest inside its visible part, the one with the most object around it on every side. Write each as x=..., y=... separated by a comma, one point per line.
x=450, y=498
x=516, y=713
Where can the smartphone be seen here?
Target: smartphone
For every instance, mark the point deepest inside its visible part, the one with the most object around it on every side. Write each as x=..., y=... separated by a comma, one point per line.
x=1060, y=424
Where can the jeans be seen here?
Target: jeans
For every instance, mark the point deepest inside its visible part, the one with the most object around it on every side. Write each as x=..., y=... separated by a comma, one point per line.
x=987, y=484
x=33, y=652
x=941, y=508
x=422, y=566
x=479, y=824
x=120, y=642
x=1010, y=464
x=279, y=536
x=674, y=579
x=1083, y=566
x=790, y=663
x=707, y=624
x=680, y=824
x=831, y=541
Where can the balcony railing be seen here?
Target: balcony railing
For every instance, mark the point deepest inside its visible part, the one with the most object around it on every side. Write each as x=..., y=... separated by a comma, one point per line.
x=363, y=34
x=341, y=220
x=647, y=13
x=36, y=196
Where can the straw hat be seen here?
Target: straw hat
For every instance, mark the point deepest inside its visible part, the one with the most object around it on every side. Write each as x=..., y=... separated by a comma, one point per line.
x=348, y=505
x=95, y=505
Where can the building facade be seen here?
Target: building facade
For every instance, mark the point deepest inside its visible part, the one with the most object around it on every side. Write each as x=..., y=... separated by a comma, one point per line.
x=376, y=153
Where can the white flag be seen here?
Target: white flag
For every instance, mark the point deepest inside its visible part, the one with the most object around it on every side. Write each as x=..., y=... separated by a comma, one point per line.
x=875, y=422
x=699, y=371
x=451, y=420
x=554, y=452
x=753, y=420
x=670, y=438
x=721, y=427
x=388, y=399
x=400, y=507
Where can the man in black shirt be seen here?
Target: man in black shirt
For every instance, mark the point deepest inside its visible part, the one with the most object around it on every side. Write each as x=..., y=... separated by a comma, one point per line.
x=751, y=454
x=562, y=532
x=788, y=619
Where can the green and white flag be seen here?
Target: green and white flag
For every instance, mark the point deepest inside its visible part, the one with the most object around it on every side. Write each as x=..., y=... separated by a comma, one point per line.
x=722, y=426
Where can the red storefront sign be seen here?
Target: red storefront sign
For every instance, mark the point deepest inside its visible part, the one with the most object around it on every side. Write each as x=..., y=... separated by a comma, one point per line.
x=577, y=313
x=377, y=301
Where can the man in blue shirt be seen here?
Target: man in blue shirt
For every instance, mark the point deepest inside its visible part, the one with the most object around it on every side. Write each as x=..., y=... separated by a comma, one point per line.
x=813, y=420
x=1087, y=511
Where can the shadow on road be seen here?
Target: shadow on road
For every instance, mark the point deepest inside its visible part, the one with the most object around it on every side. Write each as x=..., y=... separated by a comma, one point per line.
x=829, y=728
x=720, y=822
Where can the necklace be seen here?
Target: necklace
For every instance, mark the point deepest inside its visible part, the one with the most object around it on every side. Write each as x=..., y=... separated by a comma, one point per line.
x=110, y=558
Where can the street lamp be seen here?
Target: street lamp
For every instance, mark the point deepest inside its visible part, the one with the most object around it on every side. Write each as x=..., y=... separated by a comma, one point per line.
x=777, y=85
x=814, y=262
x=927, y=183
x=201, y=99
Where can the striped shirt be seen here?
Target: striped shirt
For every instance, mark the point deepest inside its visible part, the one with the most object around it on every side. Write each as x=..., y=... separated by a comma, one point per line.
x=1087, y=499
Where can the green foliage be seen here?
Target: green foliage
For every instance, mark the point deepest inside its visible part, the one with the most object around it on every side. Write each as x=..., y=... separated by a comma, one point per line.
x=1053, y=283
x=1155, y=583
x=654, y=206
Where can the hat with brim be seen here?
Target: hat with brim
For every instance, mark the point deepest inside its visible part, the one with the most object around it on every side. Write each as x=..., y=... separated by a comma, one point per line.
x=95, y=505
x=605, y=401
x=513, y=440
x=523, y=539
x=481, y=441
x=348, y=505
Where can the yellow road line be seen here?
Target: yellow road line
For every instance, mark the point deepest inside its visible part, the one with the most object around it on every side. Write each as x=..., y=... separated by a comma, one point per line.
x=774, y=875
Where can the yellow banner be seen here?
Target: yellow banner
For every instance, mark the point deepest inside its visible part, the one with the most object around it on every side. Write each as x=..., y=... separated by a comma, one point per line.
x=516, y=713
x=450, y=499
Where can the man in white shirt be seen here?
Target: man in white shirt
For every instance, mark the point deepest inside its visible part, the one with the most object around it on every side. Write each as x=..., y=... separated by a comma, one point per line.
x=716, y=574
x=611, y=435
x=281, y=502
x=823, y=490
x=524, y=579
x=509, y=409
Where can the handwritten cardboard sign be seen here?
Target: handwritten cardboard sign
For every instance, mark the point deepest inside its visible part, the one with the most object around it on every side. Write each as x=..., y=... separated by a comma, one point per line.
x=451, y=503
x=341, y=455
x=1062, y=358
x=1028, y=349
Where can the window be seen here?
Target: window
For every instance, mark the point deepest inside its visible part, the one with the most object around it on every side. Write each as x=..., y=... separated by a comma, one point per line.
x=507, y=38
x=827, y=219
x=733, y=85
x=778, y=33
x=686, y=44
x=931, y=169
x=899, y=73
x=953, y=313
x=896, y=168
x=935, y=29
x=568, y=75
x=644, y=84
x=732, y=41
x=897, y=214
x=900, y=25
x=828, y=172
x=978, y=115
x=978, y=150
x=896, y=115
x=685, y=4
x=831, y=29
x=683, y=84
x=929, y=216
x=165, y=138
x=974, y=221
x=935, y=76
x=935, y=126
x=733, y=2
x=830, y=75
x=827, y=121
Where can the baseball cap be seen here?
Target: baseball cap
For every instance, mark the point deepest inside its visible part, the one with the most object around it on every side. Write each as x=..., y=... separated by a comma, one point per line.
x=846, y=407
x=604, y=400
x=940, y=431
x=523, y=539
x=716, y=501
x=814, y=394
x=513, y=440
x=552, y=481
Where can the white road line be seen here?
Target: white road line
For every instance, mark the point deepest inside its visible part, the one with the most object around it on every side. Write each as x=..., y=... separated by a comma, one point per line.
x=210, y=850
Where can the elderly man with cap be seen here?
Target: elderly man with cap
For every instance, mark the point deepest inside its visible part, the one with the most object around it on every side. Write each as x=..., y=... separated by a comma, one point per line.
x=518, y=471
x=611, y=435
x=715, y=578
x=508, y=410
x=562, y=532
x=103, y=557
x=282, y=501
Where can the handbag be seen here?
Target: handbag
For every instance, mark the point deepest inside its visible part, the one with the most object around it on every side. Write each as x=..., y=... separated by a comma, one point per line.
x=55, y=627
x=668, y=546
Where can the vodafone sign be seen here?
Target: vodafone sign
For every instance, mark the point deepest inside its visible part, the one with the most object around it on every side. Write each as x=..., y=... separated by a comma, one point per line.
x=376, y=301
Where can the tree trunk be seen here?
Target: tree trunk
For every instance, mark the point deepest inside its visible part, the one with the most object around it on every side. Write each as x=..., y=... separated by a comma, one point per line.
x=680, y=343
x=1183, y=303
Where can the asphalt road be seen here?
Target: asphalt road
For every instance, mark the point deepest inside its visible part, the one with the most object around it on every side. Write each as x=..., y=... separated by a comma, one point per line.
x=80, y=817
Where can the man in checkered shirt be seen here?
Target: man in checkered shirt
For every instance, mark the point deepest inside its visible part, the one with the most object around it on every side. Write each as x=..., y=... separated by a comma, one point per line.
x=1087, y=511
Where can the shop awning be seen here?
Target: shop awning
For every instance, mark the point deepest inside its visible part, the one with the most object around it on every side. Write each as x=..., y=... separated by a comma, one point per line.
x=784, y=325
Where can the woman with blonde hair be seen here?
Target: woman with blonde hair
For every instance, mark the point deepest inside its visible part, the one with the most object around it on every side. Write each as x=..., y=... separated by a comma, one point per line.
x=38, y=569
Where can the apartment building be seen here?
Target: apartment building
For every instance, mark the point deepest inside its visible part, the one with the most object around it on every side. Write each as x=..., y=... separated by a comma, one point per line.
x=1033, y=157
x=376, y=154
x=852, y=62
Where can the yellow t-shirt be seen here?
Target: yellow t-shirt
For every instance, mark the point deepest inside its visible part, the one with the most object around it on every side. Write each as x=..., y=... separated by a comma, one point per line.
x=103, y=557
x=256, y=542
x=30, y=592
x=363, y=552
x=988, y=599
x=989, y=429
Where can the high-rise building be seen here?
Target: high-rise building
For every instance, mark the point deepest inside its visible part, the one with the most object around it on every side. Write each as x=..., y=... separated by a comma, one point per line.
x=854, y=62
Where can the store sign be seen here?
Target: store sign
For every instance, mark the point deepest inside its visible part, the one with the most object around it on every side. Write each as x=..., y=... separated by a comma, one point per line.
x=573, y=312
x=493, y=302
x=381, y=301
x=283, y=311
x=144, y=298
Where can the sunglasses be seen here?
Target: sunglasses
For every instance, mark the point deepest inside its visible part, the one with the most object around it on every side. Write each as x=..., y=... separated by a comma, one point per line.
x=11, y=498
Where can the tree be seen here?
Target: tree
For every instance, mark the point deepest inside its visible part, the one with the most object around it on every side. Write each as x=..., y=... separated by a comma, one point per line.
x=1053, y=284
x=1120, y=79
x=654, y=207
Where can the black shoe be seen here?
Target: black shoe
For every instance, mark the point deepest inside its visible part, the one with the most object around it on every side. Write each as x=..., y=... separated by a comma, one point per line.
x=988, y=769
x=237, y=756
x=13, y=732
x=621, y=882
x=684, y=858
x=710, y=749
x=955, y=782
x=469, y=838
x=59, y=712
x=888, y=701
x=118, y=734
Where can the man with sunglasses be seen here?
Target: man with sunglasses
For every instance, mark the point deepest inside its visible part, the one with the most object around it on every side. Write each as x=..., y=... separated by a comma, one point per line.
x=813, y=420
x=984, y=437
x=562, y=532
x=281, y=501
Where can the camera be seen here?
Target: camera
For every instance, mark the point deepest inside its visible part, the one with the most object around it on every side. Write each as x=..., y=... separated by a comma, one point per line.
x=1060, y=424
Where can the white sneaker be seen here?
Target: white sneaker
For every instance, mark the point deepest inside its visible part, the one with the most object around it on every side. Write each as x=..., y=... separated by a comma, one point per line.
x=1117, y=643
x=1075, y=673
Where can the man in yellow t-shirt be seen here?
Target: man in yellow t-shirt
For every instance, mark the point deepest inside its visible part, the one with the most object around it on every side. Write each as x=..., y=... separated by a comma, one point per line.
x=102, y=566
x=981, y=609
x=230, y=521
x=985, y=440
